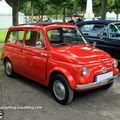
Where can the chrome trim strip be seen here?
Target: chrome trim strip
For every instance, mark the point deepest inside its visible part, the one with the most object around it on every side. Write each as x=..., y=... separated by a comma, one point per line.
x=106, y=69
x=95, y=84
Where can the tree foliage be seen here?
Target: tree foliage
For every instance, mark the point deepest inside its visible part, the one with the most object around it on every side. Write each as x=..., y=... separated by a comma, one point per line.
x=114, y=5
x=63, y=8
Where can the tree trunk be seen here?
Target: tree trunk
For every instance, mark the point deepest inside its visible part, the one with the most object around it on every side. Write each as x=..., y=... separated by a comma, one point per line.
x=56, y=14
x=64, y=13
x=103, y=9
x=15, y=11
x=117, y=16
x=32, y=10
x=61, y=13
x=42, y=12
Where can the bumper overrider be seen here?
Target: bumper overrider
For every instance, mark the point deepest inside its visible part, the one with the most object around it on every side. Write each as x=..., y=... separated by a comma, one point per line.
x=96, y=84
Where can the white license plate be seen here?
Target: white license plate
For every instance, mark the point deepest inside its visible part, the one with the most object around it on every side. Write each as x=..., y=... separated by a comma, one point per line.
x=102, y=77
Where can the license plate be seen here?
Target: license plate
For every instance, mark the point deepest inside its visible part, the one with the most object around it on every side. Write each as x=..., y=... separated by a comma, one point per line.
x=102, y=77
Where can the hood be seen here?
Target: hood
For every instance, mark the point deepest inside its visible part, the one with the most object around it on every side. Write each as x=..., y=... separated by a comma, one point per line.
x=80, y=54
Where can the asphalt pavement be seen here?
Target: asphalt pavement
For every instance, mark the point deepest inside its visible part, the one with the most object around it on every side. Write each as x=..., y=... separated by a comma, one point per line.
x=21, y=92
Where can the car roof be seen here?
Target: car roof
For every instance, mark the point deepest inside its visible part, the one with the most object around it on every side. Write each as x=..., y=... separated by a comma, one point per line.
x=45, y=23
x=104, y=22
x=41, y=25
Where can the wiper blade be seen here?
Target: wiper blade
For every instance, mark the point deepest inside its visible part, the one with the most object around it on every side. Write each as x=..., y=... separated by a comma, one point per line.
x=76, y=42
x=65, y=43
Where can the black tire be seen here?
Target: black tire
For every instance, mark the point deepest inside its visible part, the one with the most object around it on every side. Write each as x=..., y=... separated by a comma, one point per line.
x=108, y=86
x=9, y=68
x=1, y=114
x=60, y=85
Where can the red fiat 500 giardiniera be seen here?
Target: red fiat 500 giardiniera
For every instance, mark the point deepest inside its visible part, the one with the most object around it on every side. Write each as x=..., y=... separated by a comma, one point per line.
x=58, y=56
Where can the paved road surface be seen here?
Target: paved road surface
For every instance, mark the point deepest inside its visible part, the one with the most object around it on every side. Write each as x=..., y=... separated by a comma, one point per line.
x=94, y=105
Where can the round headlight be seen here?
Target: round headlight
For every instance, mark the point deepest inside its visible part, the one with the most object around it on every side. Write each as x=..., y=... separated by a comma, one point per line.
x=85, y=71
x=115, y=64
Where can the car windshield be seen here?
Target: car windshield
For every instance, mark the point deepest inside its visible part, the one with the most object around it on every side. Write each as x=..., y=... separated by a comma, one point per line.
x=114, y=31
x=118, y=26
x=65, y=36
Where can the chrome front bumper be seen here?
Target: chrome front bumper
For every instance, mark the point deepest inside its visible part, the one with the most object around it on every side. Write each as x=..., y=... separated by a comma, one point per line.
x=95, y=84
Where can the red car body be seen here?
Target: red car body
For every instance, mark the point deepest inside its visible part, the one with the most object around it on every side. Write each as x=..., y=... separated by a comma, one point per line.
x=41, y=65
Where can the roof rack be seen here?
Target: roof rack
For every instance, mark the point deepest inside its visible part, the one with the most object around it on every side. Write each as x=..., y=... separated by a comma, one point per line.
x=52, y=23
x=45, y=23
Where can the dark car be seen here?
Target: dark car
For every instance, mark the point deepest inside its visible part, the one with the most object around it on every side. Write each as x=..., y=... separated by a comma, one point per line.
x=105, y=34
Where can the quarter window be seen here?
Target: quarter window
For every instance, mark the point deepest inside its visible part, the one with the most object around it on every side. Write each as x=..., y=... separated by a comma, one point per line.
x=92, y=29
x=16, y=37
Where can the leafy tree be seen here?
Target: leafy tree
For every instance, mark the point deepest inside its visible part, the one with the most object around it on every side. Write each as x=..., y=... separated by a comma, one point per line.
x=114, y=5
x=61, y=8
x=97, y=7
x=103, y=9
x=57, y=4
x=16, y=4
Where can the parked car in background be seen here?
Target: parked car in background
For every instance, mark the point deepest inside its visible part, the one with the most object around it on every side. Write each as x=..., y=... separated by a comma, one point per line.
x=106, y=35
x=57, y=55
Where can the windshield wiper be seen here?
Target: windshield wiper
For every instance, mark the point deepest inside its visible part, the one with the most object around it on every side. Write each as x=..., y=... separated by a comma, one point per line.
x=76, y=42
x=60, y=44
x=65, y=43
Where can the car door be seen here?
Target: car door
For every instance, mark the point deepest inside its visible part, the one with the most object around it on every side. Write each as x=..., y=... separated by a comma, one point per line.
x=35, y=56
x=111, y=43
x=93, y=33
x=16, y=40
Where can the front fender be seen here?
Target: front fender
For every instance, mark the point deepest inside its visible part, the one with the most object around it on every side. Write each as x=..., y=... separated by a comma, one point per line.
x=5, y=56
x=67, y=75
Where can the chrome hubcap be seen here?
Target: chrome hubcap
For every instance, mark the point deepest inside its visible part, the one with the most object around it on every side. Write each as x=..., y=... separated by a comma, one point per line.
x=8, y=68
x=59, y=90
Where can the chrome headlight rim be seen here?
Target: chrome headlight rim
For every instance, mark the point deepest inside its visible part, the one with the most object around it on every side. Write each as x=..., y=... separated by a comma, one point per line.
x=115, y=63
x=85, y=71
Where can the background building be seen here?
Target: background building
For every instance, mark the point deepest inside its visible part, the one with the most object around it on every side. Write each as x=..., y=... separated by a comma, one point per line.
x=6, y=15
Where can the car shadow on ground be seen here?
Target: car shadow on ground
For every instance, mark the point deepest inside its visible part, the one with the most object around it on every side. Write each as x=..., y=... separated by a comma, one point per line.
x=47, y=91
x=33, y=84
x=80, y=97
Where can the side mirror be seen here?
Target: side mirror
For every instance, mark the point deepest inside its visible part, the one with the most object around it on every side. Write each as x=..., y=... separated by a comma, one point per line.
x=38, y=44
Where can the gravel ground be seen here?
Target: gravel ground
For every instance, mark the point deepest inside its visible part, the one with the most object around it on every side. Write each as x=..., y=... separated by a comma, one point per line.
x=93, y=105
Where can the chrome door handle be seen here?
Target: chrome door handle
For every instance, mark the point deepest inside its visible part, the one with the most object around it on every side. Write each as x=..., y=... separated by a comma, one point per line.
x=44, y=55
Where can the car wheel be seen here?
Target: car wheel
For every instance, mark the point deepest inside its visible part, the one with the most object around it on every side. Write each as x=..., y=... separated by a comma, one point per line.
x=62, y=92
x=108, y=85
x=9, y=69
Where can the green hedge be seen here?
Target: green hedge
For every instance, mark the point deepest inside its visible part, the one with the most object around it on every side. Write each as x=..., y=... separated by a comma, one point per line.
x=2, y=35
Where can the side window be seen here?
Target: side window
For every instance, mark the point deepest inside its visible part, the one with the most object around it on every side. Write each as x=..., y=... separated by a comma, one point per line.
x=92, y=29
x=16, y=37
x=96, y=30
x=34, y=39
x=86, y=28
x=113, y=32
x=105, y=31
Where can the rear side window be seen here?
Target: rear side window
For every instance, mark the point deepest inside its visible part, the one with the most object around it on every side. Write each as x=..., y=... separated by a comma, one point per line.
x=16, y=37
x=86, y=28
x=92, y=29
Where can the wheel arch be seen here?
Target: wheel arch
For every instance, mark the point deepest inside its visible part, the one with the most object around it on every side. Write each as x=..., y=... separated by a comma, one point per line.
x=63, y=72
x=6, y=58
